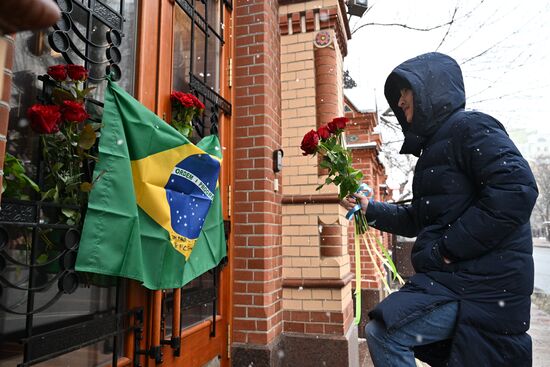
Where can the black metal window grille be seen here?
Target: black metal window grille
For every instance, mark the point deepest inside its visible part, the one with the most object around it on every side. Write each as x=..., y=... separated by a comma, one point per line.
x=199, y=36
x=90, y=33
x=45, y=305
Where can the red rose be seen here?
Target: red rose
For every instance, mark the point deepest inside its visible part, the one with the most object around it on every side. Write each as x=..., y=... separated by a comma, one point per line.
x=58, y=72
x=44, y=119
x=310, y=142
x=323, y=132
x=77, y=72
x=175, y=97
x=340, y=122
x=74, y=112
x=197, y=102
x=331, y=126
x=183, y=99
x=186, y=101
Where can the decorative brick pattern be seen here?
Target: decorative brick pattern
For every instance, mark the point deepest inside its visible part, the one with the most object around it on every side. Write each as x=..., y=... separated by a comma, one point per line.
x=309, y=16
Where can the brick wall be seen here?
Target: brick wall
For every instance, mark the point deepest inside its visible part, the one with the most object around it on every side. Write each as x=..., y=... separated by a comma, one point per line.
x=257, y=308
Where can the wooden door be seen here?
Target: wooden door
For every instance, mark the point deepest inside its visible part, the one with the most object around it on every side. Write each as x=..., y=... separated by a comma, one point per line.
x=182, y=45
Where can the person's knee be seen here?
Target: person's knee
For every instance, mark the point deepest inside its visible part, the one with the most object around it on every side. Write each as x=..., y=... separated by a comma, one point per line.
x=375, y=330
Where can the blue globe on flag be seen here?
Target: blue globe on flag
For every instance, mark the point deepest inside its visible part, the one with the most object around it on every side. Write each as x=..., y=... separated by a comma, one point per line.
x=190, y=191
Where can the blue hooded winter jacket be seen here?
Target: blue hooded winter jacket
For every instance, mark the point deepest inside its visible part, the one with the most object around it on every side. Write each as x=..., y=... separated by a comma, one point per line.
x=473, y=194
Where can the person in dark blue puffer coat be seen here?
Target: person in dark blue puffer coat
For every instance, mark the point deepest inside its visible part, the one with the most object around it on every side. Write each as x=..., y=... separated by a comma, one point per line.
x=473, y=193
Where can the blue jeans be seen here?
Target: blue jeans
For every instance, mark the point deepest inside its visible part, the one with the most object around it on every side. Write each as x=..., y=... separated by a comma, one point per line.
x=394, y=349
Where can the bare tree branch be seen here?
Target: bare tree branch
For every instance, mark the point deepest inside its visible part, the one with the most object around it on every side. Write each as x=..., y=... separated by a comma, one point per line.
x=513, y=94
x=486, y=22
x=388, y=112
x=493, y=46
x=448, y=28
x=419, y=29
x=393, y=141
x=506, y=71
x=402, y=25
x=390, y=124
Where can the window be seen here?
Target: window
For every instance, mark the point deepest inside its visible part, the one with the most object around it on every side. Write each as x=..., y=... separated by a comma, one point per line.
x=198, y=42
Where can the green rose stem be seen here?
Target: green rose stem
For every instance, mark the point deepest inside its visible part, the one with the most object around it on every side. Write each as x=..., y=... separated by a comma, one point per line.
x=341, y=173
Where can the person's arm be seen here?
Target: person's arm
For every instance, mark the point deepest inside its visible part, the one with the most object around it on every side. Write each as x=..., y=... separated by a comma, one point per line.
x=505, y=186
x=393, y=218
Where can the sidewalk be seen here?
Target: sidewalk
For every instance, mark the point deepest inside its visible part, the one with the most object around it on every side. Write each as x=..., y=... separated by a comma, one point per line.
x=540, y=324
x=540, y=242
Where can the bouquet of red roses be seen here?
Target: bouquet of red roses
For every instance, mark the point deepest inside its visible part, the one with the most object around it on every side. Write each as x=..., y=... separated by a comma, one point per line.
x=328, y=142
x=185, y=107
x=67, y=135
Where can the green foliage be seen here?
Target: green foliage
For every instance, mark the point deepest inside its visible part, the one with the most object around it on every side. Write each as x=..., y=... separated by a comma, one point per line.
x=16, y=182
x=338, y=161
x=87, y=137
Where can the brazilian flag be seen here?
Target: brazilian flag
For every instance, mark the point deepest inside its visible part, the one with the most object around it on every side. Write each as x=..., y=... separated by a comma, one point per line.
x=154, y=213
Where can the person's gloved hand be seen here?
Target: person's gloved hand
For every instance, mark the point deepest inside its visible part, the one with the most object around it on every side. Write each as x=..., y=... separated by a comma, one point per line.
x=20, y=15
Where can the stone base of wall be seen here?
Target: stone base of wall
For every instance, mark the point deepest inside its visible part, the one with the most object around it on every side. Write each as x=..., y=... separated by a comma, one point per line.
x=307, y=350
x=250, y=355
x=369, y=299
x=304, y=350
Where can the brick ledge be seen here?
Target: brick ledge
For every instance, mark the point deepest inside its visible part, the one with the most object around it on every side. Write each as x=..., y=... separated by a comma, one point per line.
x=311, y=199
x=318, y=282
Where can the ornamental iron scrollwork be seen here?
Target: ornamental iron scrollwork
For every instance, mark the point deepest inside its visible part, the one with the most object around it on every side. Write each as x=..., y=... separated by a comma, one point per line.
x=79, y=45
x=349, y=83
x=48, y=264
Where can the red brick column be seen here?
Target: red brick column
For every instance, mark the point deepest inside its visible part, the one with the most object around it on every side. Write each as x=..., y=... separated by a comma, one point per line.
x=6, y=54
x=257, y=287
